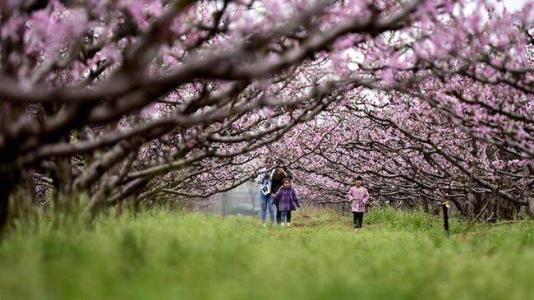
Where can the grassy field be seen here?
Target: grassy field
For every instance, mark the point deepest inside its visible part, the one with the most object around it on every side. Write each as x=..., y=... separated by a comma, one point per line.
x=165, y=255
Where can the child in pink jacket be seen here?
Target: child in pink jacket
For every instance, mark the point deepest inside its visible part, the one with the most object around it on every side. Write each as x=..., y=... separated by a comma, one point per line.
x=359, y=196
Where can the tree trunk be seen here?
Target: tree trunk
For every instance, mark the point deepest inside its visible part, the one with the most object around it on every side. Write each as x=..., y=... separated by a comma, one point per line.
x=531, y=207
x=7, y=184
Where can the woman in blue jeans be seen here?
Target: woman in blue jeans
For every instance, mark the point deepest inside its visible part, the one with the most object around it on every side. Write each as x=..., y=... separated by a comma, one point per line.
x=266, y=200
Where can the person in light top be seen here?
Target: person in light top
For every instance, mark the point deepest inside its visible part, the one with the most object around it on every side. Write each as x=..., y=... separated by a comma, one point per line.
x=266, y=200
x=359, y=196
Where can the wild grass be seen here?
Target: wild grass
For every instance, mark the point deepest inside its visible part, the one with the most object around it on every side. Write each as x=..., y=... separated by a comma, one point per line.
x=171, y=255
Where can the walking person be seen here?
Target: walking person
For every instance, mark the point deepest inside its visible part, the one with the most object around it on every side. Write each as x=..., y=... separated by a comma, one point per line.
x=266, y=200
x=287, y=201
x=359, y=196
x=277, y=178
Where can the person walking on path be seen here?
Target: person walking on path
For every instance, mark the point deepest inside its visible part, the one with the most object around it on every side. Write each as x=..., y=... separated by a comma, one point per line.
x=266, y=201
x=277, y=179
x=359, y=196
x=287, y=201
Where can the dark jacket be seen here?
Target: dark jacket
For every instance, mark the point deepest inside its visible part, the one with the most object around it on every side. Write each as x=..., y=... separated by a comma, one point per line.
x=278, y=180
x=287, y=199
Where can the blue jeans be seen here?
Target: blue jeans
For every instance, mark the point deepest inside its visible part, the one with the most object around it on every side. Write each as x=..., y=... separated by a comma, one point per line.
x=266, y=204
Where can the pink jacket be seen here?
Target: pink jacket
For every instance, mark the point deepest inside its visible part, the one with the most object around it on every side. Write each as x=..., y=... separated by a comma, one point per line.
x=359, y=197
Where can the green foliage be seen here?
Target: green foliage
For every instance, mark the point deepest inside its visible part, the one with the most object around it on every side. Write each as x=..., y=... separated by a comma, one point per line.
x=166, y=255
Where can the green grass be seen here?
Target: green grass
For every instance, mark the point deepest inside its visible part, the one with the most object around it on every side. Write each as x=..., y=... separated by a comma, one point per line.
x=165, y=255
